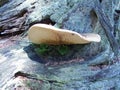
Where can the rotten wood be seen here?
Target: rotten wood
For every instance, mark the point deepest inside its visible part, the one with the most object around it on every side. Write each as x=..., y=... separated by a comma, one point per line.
x=13, y=25
x=105, y=22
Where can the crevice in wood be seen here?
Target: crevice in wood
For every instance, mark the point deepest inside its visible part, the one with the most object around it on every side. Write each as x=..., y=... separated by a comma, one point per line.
x=94, y=18
x=11, y=34
x=116, y=21
x=34, y=77
x=117, y=11
x=100, y=1
x=44, y=21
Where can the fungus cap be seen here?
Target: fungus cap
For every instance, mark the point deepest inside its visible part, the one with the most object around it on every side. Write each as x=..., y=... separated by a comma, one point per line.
x=47, y=34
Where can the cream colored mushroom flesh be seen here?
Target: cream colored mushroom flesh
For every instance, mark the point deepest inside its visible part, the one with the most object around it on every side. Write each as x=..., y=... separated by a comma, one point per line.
x=47, y=34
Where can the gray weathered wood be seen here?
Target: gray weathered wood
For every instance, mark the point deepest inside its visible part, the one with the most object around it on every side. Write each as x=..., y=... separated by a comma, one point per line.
x=105, y=22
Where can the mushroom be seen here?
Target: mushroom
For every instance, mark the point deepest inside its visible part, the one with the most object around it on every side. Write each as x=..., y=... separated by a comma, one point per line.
x=47, y=34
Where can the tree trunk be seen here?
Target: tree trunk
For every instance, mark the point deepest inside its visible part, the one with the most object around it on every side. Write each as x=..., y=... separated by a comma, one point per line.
x=83, y=67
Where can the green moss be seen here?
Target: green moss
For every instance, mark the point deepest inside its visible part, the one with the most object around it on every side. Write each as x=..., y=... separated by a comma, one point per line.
x=44, y=49
x=63, y=50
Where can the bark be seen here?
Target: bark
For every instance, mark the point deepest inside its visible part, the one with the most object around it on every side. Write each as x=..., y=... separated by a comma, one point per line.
x=105, y=22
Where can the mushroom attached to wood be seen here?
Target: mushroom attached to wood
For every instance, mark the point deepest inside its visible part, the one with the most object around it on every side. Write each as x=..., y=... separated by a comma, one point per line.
x=47, y=34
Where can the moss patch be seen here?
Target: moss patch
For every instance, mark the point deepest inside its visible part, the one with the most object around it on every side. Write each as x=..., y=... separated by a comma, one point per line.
x=59, y=50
